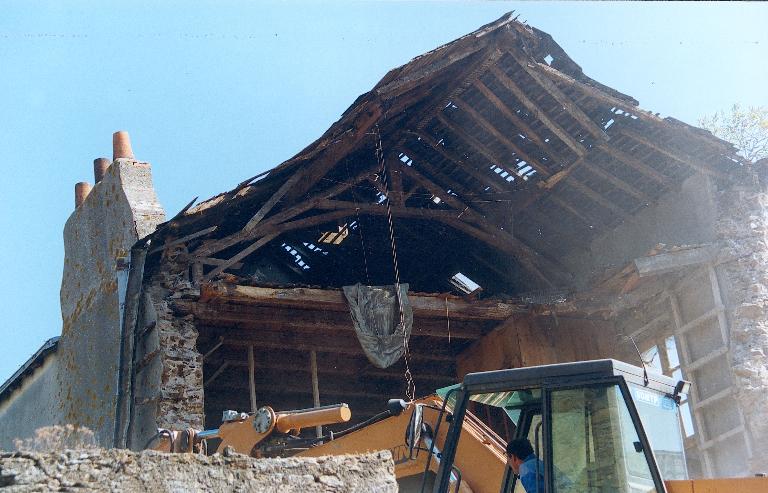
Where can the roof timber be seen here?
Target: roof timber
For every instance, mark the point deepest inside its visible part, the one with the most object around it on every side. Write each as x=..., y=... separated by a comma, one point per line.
x=566, y=103
x=491, y=129
x=561, y=133
x=424, y=305
x=578, y=152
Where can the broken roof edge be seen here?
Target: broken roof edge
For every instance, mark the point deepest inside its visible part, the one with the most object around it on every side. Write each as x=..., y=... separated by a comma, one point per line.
x=35, y=361
x=422, y=69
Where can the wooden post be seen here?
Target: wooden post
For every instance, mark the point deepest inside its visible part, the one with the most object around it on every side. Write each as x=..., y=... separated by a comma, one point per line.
x=315, y=386
x=252, y=378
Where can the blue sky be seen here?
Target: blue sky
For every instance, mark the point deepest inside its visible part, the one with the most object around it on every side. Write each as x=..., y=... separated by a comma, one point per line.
x=213, y=92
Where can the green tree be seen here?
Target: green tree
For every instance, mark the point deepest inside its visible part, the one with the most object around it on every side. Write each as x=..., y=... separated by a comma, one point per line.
x=746, y=128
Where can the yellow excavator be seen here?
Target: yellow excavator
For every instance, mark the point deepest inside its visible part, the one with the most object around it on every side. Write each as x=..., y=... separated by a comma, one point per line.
x=605, y=426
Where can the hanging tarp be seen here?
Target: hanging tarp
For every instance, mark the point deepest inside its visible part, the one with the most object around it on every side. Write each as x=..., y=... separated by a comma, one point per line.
x=375, y=314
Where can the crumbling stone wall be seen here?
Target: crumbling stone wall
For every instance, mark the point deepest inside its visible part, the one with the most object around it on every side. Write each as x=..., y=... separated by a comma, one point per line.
x=168, y=388
x=742, y=227
x=121, y=470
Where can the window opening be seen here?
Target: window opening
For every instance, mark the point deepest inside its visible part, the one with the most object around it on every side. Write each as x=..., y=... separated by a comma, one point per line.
x=335, y=237
x=464, y=283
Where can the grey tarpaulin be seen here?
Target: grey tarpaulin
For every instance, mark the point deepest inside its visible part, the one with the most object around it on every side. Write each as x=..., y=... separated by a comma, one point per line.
x=376, y=317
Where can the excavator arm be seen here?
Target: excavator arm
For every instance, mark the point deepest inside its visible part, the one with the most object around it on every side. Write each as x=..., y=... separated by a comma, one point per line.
x=480, y=459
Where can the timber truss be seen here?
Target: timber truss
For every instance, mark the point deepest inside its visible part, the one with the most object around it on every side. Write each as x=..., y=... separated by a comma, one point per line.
x=493, y=157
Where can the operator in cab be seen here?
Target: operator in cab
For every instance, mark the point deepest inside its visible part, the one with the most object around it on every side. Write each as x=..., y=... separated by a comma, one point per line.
x=524, y=463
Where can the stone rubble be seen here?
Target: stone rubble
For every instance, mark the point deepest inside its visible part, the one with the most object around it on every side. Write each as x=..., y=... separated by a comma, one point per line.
x=123, y=470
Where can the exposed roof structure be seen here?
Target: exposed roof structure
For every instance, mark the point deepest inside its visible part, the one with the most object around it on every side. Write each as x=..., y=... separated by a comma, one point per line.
x=486, y=161
x=497, y=140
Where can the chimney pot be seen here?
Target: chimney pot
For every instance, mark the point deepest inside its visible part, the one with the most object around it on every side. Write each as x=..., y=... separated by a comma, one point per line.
x=82, y=190
x=100, y=166
x=121, y=145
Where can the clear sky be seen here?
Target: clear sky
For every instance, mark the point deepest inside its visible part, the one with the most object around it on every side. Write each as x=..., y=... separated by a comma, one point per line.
x=213, y=92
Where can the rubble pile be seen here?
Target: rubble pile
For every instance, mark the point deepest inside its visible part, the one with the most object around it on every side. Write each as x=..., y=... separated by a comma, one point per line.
x=123, y=470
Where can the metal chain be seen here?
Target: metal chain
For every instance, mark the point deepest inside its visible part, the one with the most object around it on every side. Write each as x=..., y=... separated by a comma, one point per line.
x=410, y=386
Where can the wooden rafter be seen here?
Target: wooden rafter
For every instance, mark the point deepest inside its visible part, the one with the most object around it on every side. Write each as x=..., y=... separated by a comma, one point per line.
x=215, y=246
x=565, y=102
x=510, y=115
x=239, y=256
x=676, y=155
x=395, y=182
x=479, y=147
x=463, y=164
x=633, y=163
x=367, y=117
x=491, y=231
x=491, y=129
x=381, y=209
x=617, y=182
x=597, y=198
x=266, y=208
x=552, y=125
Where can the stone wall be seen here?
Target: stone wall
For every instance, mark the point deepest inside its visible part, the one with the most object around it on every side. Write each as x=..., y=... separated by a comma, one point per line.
x=742, y=229
x=121, y=470
x=119, y=210
x=168, y=382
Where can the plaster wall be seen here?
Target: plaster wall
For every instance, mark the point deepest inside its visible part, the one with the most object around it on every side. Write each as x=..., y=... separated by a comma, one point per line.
x=682, y=217
x=31, y=404
x=119, y=210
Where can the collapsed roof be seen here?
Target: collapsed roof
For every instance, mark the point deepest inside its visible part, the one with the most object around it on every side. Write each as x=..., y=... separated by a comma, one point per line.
x=483, y=162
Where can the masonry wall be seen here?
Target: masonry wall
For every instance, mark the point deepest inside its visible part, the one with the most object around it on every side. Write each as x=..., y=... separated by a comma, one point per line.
x=168, y=370
x=29, y=405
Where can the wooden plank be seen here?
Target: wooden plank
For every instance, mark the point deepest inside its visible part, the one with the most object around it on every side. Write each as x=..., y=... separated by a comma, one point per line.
x=552, y=125
x=395, y=182
x=315, y=387
x=344, y=365
x=481, y=149
x=331, y=319
x=672, y=261
x=184, y=239
x=485, y=178
x=324, y=344
x=674, y=154
x=218, y=261
x=267, y=206
x=491, y=129
x=633, y=163
x=252, y=380
x=428, y=306
x=238, y=257
x=566, y=103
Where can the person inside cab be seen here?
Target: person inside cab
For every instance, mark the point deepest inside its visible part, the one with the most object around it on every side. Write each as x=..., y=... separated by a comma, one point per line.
x=525, y=464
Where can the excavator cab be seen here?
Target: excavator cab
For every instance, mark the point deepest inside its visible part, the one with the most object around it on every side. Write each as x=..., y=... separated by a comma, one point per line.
x=595, y=427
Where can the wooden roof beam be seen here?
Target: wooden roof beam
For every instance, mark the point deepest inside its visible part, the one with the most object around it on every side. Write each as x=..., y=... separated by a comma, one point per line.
x=491, y=129
x=481, y=149
x=424, y=305
x=486, y=231
x=633, y=163
x=221, y=244
x=675, y=155
x=566, y=103
x=556, y=129
x=484, y=178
